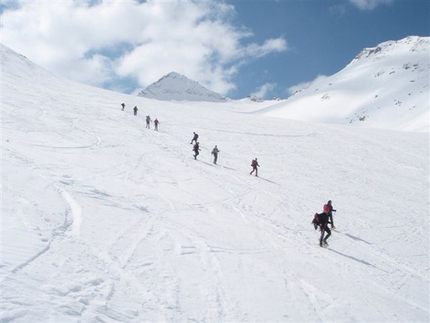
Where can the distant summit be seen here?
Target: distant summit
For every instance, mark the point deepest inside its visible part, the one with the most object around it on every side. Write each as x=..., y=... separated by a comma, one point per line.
x=178, y=87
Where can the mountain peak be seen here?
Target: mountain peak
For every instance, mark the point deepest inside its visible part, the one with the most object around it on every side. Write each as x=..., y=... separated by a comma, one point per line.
x=398, y=47
x=175, y=86
x=385, y=86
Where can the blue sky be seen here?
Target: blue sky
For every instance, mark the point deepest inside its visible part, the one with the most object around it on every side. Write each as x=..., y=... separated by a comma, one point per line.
x=324, y=36
x=236, y=48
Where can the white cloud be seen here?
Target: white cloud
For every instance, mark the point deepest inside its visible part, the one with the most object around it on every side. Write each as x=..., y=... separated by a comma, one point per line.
x=263, y=90
x=369, y=4
x=98, y=41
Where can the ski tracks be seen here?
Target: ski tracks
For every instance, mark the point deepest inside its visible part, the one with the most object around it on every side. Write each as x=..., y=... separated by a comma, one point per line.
x=76, y=211
x=198, y=294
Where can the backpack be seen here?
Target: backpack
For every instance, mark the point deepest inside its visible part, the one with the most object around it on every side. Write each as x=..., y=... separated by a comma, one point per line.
x=315, y=221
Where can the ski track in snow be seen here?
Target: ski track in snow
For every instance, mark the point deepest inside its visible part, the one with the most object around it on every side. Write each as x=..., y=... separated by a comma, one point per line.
x=106, y=221
x=76, y=211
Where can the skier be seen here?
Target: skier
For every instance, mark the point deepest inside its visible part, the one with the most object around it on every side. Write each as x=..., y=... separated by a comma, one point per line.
x=254, y=165
x=215, y=152
x=196, y=149
x=135, y=110
x=195, y=137
x=123, y=106
x=156, y=122
x=148, y=121
x=330, y=213
x=321, y=221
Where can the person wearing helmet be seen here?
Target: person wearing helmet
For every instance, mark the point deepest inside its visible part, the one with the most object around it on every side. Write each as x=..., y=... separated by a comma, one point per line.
x=254, y=165
x=330, y=211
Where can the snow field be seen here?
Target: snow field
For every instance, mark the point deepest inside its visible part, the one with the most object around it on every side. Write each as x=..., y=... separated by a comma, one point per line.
x=106, y=221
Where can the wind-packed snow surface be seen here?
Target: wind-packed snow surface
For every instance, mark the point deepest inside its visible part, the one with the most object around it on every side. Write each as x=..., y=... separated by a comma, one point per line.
x=106, y=221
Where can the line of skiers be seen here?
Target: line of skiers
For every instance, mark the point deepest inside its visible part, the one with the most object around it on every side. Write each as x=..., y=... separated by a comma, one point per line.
x=321, y=221
x=216, y=151
x=148, y=118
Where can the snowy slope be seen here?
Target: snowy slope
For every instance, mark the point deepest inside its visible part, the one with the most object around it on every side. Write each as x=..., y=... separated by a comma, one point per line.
x=106, y=221
x=383, y=87
x=178, y=87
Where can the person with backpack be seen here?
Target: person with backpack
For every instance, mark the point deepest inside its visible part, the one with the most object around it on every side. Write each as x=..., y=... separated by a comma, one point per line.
x=123, y=106
x=135, y=110
x=196, y=149
x=215, y=152
x=195, y=137
x=320, y=221
x=254, y=165
x=148, y=121
x=156, y=122
x=330, y=213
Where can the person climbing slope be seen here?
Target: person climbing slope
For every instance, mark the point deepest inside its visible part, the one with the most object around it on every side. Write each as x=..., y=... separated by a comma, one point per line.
x=148, y=122
x=330, y=214
x=196, y=149
x=321, y=221
x=215, y=152
x=195, y=137
x=254, y=165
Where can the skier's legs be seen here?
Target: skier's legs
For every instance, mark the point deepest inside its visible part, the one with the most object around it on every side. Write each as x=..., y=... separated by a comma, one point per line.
x=322, y=236
x=328, y=233
x=323, y=231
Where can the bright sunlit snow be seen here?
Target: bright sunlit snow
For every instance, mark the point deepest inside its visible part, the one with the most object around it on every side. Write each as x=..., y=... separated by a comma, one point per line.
x=384, y=87
x=106, y=221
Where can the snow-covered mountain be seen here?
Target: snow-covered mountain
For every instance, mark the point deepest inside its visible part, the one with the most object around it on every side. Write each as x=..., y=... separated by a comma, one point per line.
x=383, y=87
x=177, y=87
x=104, y=220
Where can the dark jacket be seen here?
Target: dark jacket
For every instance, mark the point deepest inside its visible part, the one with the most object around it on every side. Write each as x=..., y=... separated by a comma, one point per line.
x=321, y=220
x=330, y=209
